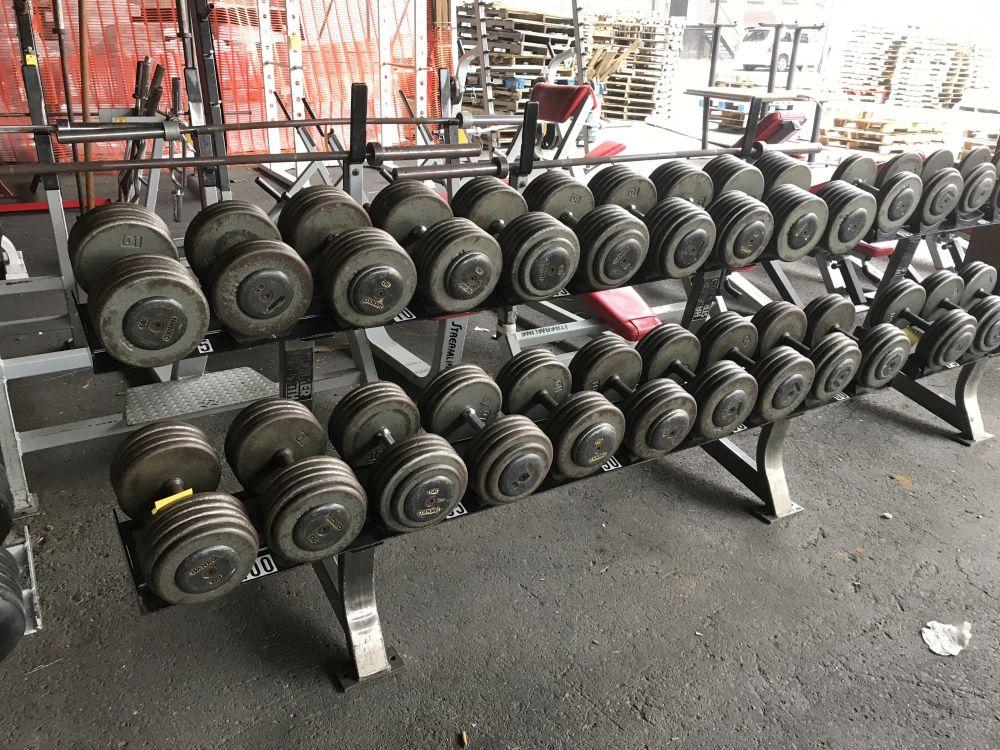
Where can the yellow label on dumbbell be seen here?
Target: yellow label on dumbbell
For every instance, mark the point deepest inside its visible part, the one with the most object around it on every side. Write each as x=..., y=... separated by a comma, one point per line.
x=912, y=335
x=463, y=137
x=295, y=43
x=161, y=504
x=31, y=59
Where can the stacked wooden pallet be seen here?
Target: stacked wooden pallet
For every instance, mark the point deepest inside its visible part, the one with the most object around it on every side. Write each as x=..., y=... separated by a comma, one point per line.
x=903, y=66
x=868, y=62
x=642, y=85
x=929, y=73
x=983, y=92
x=880, y=134
x=521, y=44
x=975, y=138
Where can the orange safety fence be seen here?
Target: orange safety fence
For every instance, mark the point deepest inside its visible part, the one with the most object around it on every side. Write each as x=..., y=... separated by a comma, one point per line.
x=339, y=43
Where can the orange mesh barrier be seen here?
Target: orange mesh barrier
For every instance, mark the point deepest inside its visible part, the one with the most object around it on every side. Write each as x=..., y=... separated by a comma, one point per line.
x=340, y=45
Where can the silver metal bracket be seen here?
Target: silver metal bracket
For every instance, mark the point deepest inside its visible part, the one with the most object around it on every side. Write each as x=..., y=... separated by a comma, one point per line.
x=765, y=476
x=349, y=582
x=963, y=413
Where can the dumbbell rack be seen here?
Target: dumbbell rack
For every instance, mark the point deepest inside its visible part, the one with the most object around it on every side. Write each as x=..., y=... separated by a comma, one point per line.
x=840, y=276
x=348, y=579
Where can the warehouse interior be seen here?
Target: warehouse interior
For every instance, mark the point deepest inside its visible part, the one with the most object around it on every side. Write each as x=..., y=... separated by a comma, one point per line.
x=499, y=375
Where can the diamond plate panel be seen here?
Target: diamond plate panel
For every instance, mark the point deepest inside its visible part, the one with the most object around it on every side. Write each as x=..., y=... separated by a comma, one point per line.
x=213, y=391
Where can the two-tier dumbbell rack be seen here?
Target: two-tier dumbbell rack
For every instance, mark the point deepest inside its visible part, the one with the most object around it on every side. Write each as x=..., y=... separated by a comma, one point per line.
x=349, y=581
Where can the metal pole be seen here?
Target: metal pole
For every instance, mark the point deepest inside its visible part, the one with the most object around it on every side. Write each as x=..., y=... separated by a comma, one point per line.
x=85, y=93
x=772, y=73
x=59, y=27
x=796, y=37
x=713, y=62
x=498, y=168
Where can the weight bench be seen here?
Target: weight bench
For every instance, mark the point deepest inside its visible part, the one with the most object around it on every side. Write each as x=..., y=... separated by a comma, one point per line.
x=562, y=113
x=777, y=127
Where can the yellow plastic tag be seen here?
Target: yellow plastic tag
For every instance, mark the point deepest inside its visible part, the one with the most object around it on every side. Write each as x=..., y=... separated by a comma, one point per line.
x=161, y=504
x=912, y=335
x=31, y=59
x=295, y=43
x=462, y=137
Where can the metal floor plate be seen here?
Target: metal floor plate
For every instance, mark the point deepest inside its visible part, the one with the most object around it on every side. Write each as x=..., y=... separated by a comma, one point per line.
x=213, y=391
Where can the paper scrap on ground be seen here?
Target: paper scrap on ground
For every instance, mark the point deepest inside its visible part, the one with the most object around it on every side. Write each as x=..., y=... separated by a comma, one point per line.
x=946, y=640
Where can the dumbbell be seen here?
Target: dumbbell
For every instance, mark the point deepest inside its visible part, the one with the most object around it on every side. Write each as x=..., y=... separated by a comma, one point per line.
x=979, y=172
x=540, y=254
x=778, y=168
x=309, y=505
x=896, y=188
x=681, y=234
x=744, y=228
x=678, y=178
x=364, y=275
x=508, y=457
x=146, y=307
x=971, y=290
x=941, y=341
x=724, y=392
x=256, y=284
x=458, y=264
x=416, y=478
x=195, y=543
x=943, y=187
x=884, y=347
x=967, y=185
x=784, y=375
x=585, y=428
x=817, y=334
x=800, y=217
x=613, y=243
x=12, y=616
x=730, y=173
x=659, y=413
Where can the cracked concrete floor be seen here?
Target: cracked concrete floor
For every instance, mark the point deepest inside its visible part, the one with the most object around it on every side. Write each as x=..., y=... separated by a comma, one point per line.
x=643, y=609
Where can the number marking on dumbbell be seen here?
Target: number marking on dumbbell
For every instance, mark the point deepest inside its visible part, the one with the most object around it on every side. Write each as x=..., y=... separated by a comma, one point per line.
x=205, y=347
x=841, y=396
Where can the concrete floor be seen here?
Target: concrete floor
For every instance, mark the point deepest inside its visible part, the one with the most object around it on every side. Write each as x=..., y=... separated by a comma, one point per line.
x=642, y=609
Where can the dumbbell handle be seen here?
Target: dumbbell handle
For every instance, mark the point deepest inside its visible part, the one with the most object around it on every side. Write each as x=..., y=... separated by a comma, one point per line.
x=172, y=487
x=472, y=419
x=620, y=385
x=495, y=227
x=547, y=400
x=681, y=369
x=795, y=344
x=913, y=317
x=569, y=219
x=384, y=436
x=740, y=358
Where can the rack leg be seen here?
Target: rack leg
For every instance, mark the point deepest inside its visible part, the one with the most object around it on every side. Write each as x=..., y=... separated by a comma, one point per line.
x=765, y=476
x=349, y=582
x=963, y=413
